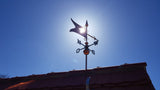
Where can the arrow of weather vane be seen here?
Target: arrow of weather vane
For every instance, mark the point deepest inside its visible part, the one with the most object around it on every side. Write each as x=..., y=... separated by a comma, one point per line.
x=83, y=32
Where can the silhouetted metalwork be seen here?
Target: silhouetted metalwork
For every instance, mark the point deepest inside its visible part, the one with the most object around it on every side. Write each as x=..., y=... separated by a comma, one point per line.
x=83, y=32
x=86, y=47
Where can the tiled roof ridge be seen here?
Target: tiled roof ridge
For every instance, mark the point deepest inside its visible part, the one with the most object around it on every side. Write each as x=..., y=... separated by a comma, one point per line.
x=122, y=76
x=110, y=69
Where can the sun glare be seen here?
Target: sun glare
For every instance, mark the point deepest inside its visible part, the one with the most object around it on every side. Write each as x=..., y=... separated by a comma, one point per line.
x=82, y=30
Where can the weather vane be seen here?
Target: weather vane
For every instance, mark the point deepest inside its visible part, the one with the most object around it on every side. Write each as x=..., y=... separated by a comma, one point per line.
x=83, y=32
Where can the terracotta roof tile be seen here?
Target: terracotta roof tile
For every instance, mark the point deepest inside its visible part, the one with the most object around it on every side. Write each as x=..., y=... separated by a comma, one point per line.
x=128, y=75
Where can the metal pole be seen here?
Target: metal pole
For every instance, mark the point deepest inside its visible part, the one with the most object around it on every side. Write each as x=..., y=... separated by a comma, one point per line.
x=86, y=42
x=86, y=63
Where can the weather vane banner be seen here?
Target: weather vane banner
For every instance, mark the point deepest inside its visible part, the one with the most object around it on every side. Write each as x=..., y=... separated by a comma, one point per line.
x=79, y=29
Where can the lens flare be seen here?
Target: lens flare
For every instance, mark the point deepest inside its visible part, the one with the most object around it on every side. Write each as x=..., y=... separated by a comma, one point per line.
x=82, y=30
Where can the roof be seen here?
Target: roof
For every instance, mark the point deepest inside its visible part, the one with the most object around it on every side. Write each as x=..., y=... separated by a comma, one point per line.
x=126, y=76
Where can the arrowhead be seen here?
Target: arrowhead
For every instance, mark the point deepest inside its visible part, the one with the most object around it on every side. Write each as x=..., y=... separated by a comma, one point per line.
x=86, y=23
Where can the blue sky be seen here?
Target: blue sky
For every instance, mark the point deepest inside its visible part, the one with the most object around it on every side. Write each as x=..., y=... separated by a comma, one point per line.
x=35, y=37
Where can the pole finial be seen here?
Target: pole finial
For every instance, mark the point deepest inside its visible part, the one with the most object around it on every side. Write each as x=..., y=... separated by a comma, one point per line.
x=86, y=23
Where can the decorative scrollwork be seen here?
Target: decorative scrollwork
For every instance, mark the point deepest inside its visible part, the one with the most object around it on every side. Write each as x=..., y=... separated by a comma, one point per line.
x=93, y=52
x=96, y=42
x=86, y=47
x=78, y=50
